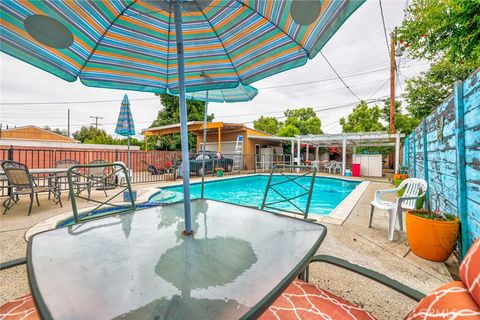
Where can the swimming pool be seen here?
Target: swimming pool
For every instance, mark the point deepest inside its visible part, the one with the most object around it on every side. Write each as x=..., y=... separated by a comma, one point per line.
x=249, y=191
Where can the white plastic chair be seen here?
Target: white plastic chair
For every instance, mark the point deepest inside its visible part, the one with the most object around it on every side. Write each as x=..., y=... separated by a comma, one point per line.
x=336, y=165
x=414, y=189
x=328, y=166
x=120, y=174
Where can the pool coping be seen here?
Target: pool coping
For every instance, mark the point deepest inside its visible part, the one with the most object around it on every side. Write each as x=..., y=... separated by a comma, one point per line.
x=336, y=216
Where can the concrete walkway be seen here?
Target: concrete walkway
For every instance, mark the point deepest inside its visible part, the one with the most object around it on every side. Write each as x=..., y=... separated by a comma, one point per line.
x=352, y=240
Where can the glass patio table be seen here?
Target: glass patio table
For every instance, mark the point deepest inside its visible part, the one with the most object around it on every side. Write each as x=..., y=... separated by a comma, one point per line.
x=139, y=265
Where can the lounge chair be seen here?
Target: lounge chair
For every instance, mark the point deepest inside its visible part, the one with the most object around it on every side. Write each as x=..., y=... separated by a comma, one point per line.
x=21, y=182
x=454, y=300
x=414, y=189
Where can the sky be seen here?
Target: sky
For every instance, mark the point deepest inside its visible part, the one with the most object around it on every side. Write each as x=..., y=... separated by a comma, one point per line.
x=358, y=52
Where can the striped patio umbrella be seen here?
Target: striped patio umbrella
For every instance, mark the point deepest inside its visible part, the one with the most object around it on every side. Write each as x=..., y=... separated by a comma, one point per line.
x=160, y=45
x=125, y=126
x=239, y=94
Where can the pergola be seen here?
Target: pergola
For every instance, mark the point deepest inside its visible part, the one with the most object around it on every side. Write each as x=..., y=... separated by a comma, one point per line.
x=345, y=140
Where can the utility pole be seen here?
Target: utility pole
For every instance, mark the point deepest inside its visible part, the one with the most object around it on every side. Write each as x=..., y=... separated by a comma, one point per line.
x=392, y=83
x=68, y=123
x=96, y=120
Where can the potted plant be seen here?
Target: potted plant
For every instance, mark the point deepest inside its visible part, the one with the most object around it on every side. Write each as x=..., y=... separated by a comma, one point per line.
x=432, y=234
x=219, y=171
x=402, y=175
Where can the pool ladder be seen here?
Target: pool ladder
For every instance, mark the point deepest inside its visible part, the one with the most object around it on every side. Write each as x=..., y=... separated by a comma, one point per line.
x=290, y=178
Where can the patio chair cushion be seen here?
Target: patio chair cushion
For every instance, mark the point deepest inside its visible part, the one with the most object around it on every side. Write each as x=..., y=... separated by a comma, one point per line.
x=20, y=308
x=470, y=271
x=450, y=301
x=303, y=300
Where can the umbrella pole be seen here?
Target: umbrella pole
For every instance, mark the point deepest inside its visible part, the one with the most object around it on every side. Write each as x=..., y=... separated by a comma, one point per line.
x=128, y=153
x=204, y=144
x=183, y=119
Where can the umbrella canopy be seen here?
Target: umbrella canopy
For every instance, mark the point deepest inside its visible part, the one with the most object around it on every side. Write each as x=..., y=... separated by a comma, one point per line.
x=132, y=45
x=169, y=45
x=239, y=94
x=125, y=126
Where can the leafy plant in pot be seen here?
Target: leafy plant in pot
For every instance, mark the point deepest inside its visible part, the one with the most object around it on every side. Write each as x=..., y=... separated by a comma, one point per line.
x=432, y=235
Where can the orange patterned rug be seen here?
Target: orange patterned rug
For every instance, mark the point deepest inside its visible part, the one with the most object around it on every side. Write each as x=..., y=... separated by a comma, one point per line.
x=20, y=308
x=302, y=300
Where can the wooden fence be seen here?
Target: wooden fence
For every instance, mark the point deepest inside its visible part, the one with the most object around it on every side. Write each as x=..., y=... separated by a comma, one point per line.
x=445, y=151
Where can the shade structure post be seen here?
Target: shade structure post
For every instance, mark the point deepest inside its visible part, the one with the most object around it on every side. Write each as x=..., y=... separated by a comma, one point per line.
x=397, y=152
x=298, y=151
x=204, y=143
x=292, y=151
x=183, y=119
x=344, y=154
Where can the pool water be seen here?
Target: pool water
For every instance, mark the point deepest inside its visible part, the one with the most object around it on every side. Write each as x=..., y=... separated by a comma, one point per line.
x=249, y=191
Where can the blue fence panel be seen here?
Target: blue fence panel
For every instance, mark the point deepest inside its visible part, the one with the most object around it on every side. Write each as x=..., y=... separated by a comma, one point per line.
x=445, y=151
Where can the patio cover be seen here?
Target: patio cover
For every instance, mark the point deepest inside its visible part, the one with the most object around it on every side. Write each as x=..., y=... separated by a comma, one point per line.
x=360, y=139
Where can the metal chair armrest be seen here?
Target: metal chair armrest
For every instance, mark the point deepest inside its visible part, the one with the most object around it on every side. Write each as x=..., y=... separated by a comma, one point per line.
x=373, y=275
x=13, y=263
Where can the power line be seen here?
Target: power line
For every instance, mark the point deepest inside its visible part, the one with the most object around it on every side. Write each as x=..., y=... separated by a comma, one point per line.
x=384, y=26
x=346, y=86
x=72, y=102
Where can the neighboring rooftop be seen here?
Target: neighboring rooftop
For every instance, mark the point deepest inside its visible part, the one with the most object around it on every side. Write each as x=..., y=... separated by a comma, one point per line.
x=34, y=133
x=196, y=126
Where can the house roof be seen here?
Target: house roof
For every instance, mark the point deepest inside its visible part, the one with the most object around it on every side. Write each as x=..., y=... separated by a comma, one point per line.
x=197, y=126
x=34, y=133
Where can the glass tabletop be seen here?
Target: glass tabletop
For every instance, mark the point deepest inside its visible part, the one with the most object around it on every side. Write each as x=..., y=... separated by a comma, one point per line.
x=138, y=265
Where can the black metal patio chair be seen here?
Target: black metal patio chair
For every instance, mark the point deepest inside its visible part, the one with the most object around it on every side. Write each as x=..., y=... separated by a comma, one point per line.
x=95, y=176
x=21, y=182
x=62, y=176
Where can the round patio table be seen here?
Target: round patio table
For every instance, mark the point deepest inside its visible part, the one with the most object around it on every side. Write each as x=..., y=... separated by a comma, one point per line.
x=139, y=265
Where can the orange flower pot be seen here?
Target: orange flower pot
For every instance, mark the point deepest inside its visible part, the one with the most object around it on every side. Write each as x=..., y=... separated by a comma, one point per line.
x=400, y=176
x=431, y=239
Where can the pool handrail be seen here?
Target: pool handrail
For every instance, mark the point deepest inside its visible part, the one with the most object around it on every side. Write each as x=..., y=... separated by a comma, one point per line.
x=309, y=191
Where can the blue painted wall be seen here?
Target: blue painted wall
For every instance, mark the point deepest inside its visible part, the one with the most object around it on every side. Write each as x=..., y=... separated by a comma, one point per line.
x=445, y=151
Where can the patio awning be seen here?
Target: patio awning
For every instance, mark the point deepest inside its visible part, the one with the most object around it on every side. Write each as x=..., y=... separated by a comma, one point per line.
x=360, y=139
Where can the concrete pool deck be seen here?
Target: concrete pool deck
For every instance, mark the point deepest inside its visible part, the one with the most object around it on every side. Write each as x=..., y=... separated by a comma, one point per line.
x=351, y=240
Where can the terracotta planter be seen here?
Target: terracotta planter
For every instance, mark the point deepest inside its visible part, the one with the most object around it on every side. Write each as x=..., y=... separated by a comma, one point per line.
x=400, y=176
x=431, y=239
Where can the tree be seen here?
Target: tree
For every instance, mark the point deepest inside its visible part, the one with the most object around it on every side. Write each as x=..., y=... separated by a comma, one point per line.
x=89, y=134
x=170, y=114
x=267, y=124
x=443, y=30
x=57, y=130
x=403, y=122
x=447, y=33
x=431, y=88
x=301, y=121
x=305, y=120
x=363, y=119
x=288, y=131
x=92, y=135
